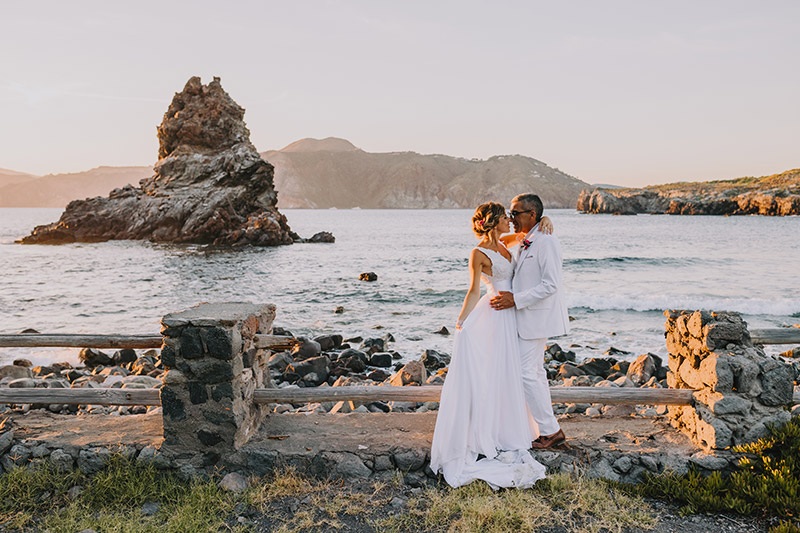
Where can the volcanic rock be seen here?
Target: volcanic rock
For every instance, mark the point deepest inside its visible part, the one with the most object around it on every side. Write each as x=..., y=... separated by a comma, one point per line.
x=210, y=185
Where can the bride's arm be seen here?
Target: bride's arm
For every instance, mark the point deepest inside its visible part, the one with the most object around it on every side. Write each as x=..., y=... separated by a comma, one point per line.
x=476, y=263
x=546, y=225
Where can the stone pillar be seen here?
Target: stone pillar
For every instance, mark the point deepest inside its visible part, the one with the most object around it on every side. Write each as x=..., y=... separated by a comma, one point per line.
x=213, y=368
x=740, y=390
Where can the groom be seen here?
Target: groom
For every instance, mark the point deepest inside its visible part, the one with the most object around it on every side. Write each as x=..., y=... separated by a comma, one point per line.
x=541, y=312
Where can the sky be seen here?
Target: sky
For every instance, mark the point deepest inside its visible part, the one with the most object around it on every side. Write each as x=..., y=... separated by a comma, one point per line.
x=619, y=92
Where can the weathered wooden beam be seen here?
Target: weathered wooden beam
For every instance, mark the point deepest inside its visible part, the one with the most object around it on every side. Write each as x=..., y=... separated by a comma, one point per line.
x=275, y=342
x=607, y=395
x=66, y=340
x=424, y=393
x=775, y=336
x=621, y=395
x=37, y=340
x=81, y=396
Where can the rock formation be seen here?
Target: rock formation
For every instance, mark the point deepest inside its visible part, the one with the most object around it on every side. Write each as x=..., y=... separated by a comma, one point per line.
x=210, y=185
x=777, y=195
x=739, y=391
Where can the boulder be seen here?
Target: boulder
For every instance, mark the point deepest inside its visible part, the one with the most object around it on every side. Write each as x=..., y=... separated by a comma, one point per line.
x=92, y=460
x=368, y=276
x=23, y=362
x=22, y=383
x=306, y=348
x=370, y=346
x=434, y=360
x=328, y=342
x=43, y=370
x=317, y=365
x=143, y=365
x=322, y=236
x=210, y=185
x=377, y=375
x=381, y=359
x=15, y=372
x=555, y=352
x=124, y=356
x=567, y=371
x=777, y=380
x=412, y=372
x=598, y=366
x=280, y=361
x=6, y=440
x=621, y=367
x=642, y=369
x=92, y=358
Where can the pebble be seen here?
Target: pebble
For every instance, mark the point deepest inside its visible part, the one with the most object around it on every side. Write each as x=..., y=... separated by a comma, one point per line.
x=234, y=482
x=150, y=508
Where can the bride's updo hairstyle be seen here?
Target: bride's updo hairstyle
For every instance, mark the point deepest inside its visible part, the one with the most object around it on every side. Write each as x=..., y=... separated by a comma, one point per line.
x=487, y=216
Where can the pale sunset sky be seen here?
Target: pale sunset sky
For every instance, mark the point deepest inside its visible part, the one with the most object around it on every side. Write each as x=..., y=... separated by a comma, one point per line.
x=622, y=92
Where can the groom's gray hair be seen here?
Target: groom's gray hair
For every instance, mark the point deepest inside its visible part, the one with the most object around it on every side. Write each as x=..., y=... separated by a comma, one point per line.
x=532, y=202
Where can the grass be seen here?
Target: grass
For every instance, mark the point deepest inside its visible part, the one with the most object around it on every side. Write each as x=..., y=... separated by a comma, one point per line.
x=36, y=498
x=561, y=501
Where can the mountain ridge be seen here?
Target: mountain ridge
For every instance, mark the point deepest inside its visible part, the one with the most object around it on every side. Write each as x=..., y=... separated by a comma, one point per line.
x=332, y=172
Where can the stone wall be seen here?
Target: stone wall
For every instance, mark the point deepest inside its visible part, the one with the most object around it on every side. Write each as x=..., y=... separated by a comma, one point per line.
x=213, y=367
x=740, y=390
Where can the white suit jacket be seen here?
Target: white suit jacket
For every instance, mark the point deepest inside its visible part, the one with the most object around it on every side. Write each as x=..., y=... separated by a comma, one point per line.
x=538, y=294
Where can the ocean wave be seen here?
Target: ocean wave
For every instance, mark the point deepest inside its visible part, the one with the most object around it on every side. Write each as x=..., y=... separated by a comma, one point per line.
x=659, y=261
x=656, y=302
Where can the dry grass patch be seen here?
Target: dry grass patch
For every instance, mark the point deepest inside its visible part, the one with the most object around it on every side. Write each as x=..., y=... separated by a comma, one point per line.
x=575, y=504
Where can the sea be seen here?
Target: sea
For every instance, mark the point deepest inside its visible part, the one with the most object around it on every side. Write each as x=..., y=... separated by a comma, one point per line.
x=620, y=274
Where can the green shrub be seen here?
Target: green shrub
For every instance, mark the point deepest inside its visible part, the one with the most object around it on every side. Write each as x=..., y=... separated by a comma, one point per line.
x=765, y=482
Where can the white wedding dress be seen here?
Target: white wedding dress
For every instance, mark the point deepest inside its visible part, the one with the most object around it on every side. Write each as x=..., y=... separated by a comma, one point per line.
x=483, y=409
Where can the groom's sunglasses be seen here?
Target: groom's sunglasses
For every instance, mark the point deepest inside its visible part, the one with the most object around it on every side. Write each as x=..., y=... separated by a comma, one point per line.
x=513, y=214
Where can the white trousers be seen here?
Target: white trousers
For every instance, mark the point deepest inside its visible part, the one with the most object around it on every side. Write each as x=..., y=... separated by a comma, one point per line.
x=537, y=389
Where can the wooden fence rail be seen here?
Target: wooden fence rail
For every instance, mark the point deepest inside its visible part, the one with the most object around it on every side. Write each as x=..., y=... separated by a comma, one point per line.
x=425, y=393
x=40, y=340
x=81, y=396
x=274, y=342
x=775, y=336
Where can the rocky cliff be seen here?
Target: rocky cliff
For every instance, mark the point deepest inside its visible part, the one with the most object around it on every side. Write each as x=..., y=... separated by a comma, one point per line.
x=332, y=172
x=776, y=195
x=210, y=185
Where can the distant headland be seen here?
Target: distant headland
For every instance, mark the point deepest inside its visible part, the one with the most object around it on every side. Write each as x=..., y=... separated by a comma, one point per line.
x=775, y=195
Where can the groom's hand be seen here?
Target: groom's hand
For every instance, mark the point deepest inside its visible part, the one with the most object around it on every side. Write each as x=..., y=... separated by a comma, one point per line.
x=504, y=300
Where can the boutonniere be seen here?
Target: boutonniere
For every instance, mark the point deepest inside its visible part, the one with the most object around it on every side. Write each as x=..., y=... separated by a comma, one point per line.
x=525, y=244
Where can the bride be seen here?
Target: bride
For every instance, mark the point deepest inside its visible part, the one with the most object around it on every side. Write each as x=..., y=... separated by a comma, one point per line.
x=482, y=429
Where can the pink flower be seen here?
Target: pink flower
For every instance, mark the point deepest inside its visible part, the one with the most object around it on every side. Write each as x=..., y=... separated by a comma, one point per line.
x=526, y=244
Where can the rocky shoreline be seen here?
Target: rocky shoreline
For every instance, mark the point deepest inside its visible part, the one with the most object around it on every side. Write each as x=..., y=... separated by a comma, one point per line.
x=332, y=361
x=777, y=195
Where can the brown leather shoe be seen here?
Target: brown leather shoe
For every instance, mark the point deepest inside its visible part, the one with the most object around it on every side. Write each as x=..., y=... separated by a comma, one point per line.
x=548, y=441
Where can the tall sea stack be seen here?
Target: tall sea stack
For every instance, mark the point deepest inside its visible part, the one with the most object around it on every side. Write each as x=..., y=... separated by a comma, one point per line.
x=210, y=185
